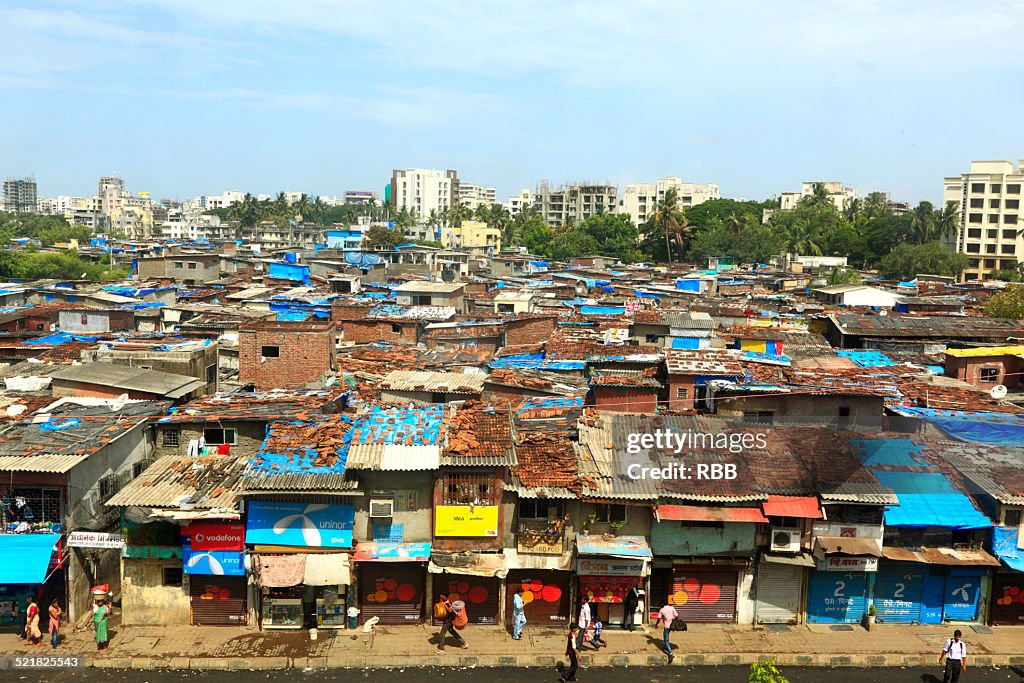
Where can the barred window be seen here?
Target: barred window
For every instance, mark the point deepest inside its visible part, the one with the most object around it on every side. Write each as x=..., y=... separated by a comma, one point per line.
x=172, y=436
x=468, y=489
x=109, y=485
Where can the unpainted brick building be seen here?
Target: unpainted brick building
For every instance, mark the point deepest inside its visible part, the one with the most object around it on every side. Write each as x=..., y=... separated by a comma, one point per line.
x=285, y=355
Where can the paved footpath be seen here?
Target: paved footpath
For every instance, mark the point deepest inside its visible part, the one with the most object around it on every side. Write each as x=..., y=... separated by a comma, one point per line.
x=212, y=647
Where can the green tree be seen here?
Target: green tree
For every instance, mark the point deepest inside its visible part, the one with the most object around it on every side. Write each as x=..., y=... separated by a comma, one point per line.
x=844, y=276
x=1007, y=304
x=922, y=223
x=379, y=236
x=766, y=672
x=533, y=233
x=750, y=242
x=459, y=213
x=909, y=260
x=947, y=220
x=669, y=218
x=572, y=244
x=615, y=234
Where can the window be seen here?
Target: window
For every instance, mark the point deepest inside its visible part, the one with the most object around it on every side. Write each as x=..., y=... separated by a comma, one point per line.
x=978, y=203
x=539, y=508
x=973, y=248
x=217, y=436
x=1008, y=249
x=1010, y=219
x=140, y=467
x=682, y=392
x=467, y=488
x=760, y=417
x=993, y=203
x=1013, y=204
x=270, y=351
x=606, y=513
x=974, y=217
x=990, y=248
x=974, y=232
x=978, y=188
x=172, y=436
x=1011, y=517
x=990, y=263
x=989, y=375
x=1009, y=234
x=992, y=234
x=396, y=328
x=84, y=320
x=996, y=188
x=179, y=265
x=993, y=218
x=172, y=576
x=1013, y=188
x=211, y=373
x=844, y=411
x=192, y=265
x=108, y=487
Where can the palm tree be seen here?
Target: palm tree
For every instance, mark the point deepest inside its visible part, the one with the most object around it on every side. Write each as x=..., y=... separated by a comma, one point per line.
x=247, y=212
x=302, y=207
x=459, y=213
x=803, y=238
x=947, y=220
x=818, y=197
x=670, y=218
x=434, y=218
x=922, y=222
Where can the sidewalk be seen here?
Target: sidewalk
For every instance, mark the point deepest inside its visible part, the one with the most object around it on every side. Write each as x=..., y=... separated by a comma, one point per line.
x=211, y=647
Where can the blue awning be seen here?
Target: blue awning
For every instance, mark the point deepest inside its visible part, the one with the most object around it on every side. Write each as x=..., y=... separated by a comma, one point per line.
x=28, y=557
x=1004, y=543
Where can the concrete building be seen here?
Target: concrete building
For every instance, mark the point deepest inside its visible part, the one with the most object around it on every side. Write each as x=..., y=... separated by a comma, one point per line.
x=423, y=191
x=471, y=234
x=640, y=200
x=220, y=201
x=359, y=197
x=472, y=195
x=838, y=194
x=574, y=203
x=20, y=195
x=516, y=203
x=190, y=269
x=987, y=198
x=285, y=355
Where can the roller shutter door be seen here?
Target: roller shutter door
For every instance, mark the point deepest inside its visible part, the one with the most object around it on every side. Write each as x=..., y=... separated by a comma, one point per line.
x=392, y=591
x=898, y=593
x=217, y=600
x=778, y=593
x=836, y=598
x=1007, y=599
x=480, y=593
x=546, y=593
x=704, y=595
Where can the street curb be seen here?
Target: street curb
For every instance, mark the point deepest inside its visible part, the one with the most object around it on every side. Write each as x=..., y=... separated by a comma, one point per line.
x=645, y=659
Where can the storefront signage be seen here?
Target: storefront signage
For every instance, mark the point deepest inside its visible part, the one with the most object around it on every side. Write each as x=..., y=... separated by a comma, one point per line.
x=298, y=524
x=466, y=520
x=611, y=566
x=95, y=539
x=213, y=562
x=606, y=588
x=216, y=536
x=837, y=563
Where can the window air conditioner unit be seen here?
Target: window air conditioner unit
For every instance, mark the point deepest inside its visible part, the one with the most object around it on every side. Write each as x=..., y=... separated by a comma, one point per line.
x=785, y=540
x=382, y=507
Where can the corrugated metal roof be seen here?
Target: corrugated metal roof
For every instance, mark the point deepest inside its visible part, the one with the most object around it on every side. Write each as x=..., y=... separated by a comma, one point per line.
x=410, y=458
x=300, y=482
x=49, y=462
x=442, y=382
x=365, y=456
x=207, y=482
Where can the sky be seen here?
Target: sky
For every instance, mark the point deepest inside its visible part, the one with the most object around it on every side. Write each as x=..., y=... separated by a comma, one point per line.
x=189, y=97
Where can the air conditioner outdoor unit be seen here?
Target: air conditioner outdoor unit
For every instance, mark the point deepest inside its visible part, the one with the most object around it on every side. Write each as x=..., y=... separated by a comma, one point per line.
x=785, y=540
x=382, y=507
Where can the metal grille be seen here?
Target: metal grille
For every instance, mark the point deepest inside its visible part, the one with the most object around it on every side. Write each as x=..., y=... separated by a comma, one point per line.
x=217, y=600
x=705, y=596
x=546, y=592
x=393, y=591
x=468, y=489
x=172, y=436
x=31, y=506
x=480, y=593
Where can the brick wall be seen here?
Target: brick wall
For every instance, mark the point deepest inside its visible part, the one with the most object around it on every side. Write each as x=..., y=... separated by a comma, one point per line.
x=528, y=330
x=304, y=357
x=362, y=331
x=688, y=384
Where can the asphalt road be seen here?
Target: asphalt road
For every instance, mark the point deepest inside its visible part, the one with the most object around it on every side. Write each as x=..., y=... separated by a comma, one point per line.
x=735, y=674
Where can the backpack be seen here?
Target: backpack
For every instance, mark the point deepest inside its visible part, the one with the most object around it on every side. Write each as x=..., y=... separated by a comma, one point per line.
x=440, y=610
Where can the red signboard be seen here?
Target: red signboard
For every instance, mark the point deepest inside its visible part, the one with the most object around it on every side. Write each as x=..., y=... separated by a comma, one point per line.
x=216, y=536
x=606, y=588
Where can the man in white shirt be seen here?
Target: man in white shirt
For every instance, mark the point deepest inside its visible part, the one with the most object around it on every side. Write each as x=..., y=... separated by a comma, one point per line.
x=584, y=621
x=955, y=654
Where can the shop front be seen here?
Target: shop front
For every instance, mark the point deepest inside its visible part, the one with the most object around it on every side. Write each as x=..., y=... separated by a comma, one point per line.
x=217, y=586
x=1007, y=607
x=841, y=582
x=703, y=594
x=392, y=581
x=302, y=568
x=546, y=581
x=932, y=585
x=473, y=578
x=38, y=572
x=780, y=582
x=608, y=569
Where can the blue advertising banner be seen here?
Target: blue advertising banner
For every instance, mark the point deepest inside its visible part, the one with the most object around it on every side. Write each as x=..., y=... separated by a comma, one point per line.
x=213, y=562
x=313, y=525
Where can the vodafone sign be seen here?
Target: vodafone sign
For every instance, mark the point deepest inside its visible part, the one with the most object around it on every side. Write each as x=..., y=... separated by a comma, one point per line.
x=216, y=536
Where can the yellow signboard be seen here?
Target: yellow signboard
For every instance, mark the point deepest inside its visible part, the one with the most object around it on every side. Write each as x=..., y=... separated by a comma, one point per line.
x=466, y=520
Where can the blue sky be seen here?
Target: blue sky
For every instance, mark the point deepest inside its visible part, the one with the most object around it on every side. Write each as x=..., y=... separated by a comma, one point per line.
x=185, y=97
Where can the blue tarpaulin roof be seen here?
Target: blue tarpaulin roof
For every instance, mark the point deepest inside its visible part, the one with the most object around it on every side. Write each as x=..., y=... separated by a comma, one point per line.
x=898, y=452
x=32, y=553
x=1004, y=543
x=602, y=310
x=991, y=428
x=689, y=285
x=686, y=342
x=60, y=338
x=523, y=360
x=866, y=359
x=928, y=499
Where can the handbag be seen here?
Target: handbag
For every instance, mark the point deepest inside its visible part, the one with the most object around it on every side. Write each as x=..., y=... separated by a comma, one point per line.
x=678, y=625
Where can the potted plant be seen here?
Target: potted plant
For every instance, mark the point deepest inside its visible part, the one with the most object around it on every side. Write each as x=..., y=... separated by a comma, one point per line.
x=616, y=525
x=590, y=521
x=869, y=619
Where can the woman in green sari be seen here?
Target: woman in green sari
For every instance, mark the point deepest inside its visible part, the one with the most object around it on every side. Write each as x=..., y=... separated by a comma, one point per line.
x=99, y=622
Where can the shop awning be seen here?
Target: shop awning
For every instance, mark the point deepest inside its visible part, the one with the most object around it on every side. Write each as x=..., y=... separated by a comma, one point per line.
x=1005, y=541
x=707, y=513
x=468, y=564
x=328, y=569
x=516, y=560
x=614, y=546
x=28, y=557
x=941, y=556
x=281, y=571
x=804, y=507
x=841, y=545
x=801, y=560
x=378, y=551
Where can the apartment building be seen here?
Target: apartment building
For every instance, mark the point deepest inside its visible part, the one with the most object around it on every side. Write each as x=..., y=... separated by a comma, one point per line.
x=20, y=195
x=988, y=201
x=640, y=200
x=473, y=195
x=516, y=203
x=359, y=197
x=574, y=203
x=840, y=195
x=225, y=199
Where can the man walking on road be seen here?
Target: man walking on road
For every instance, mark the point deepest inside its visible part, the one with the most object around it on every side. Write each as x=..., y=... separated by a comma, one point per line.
x=629, y=604
x=518, y=614
x=583, y=622
x=447, y=623
x=666, y=615
x=955, y=654
x=572, y=652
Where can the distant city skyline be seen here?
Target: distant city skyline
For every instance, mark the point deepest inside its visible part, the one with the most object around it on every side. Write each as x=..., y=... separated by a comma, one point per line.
x=187, y=97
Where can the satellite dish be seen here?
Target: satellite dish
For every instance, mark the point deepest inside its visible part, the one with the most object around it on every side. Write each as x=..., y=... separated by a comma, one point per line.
x=118, y=403
x=998, y=391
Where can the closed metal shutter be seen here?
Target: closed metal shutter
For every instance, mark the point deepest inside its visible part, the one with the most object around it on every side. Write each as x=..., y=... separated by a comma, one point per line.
x=480, y=593
x=704, y=595
x=392, y=591
x=963, y=594
x=1007, y=599
x=898, y=592
x=778, y=593
x=546, y=593
x=217, y=600
x=836, y=597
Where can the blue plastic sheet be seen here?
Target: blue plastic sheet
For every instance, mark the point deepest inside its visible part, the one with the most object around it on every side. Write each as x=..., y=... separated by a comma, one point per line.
x=866, y=359
x=989, y=428
x=690, y=285
x=928, y=499
x=59, y=338
x=1004, y=544
x=525, y=360
x=686, y=342
x=33, y=553
x=898, y=452
x=602, y=310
